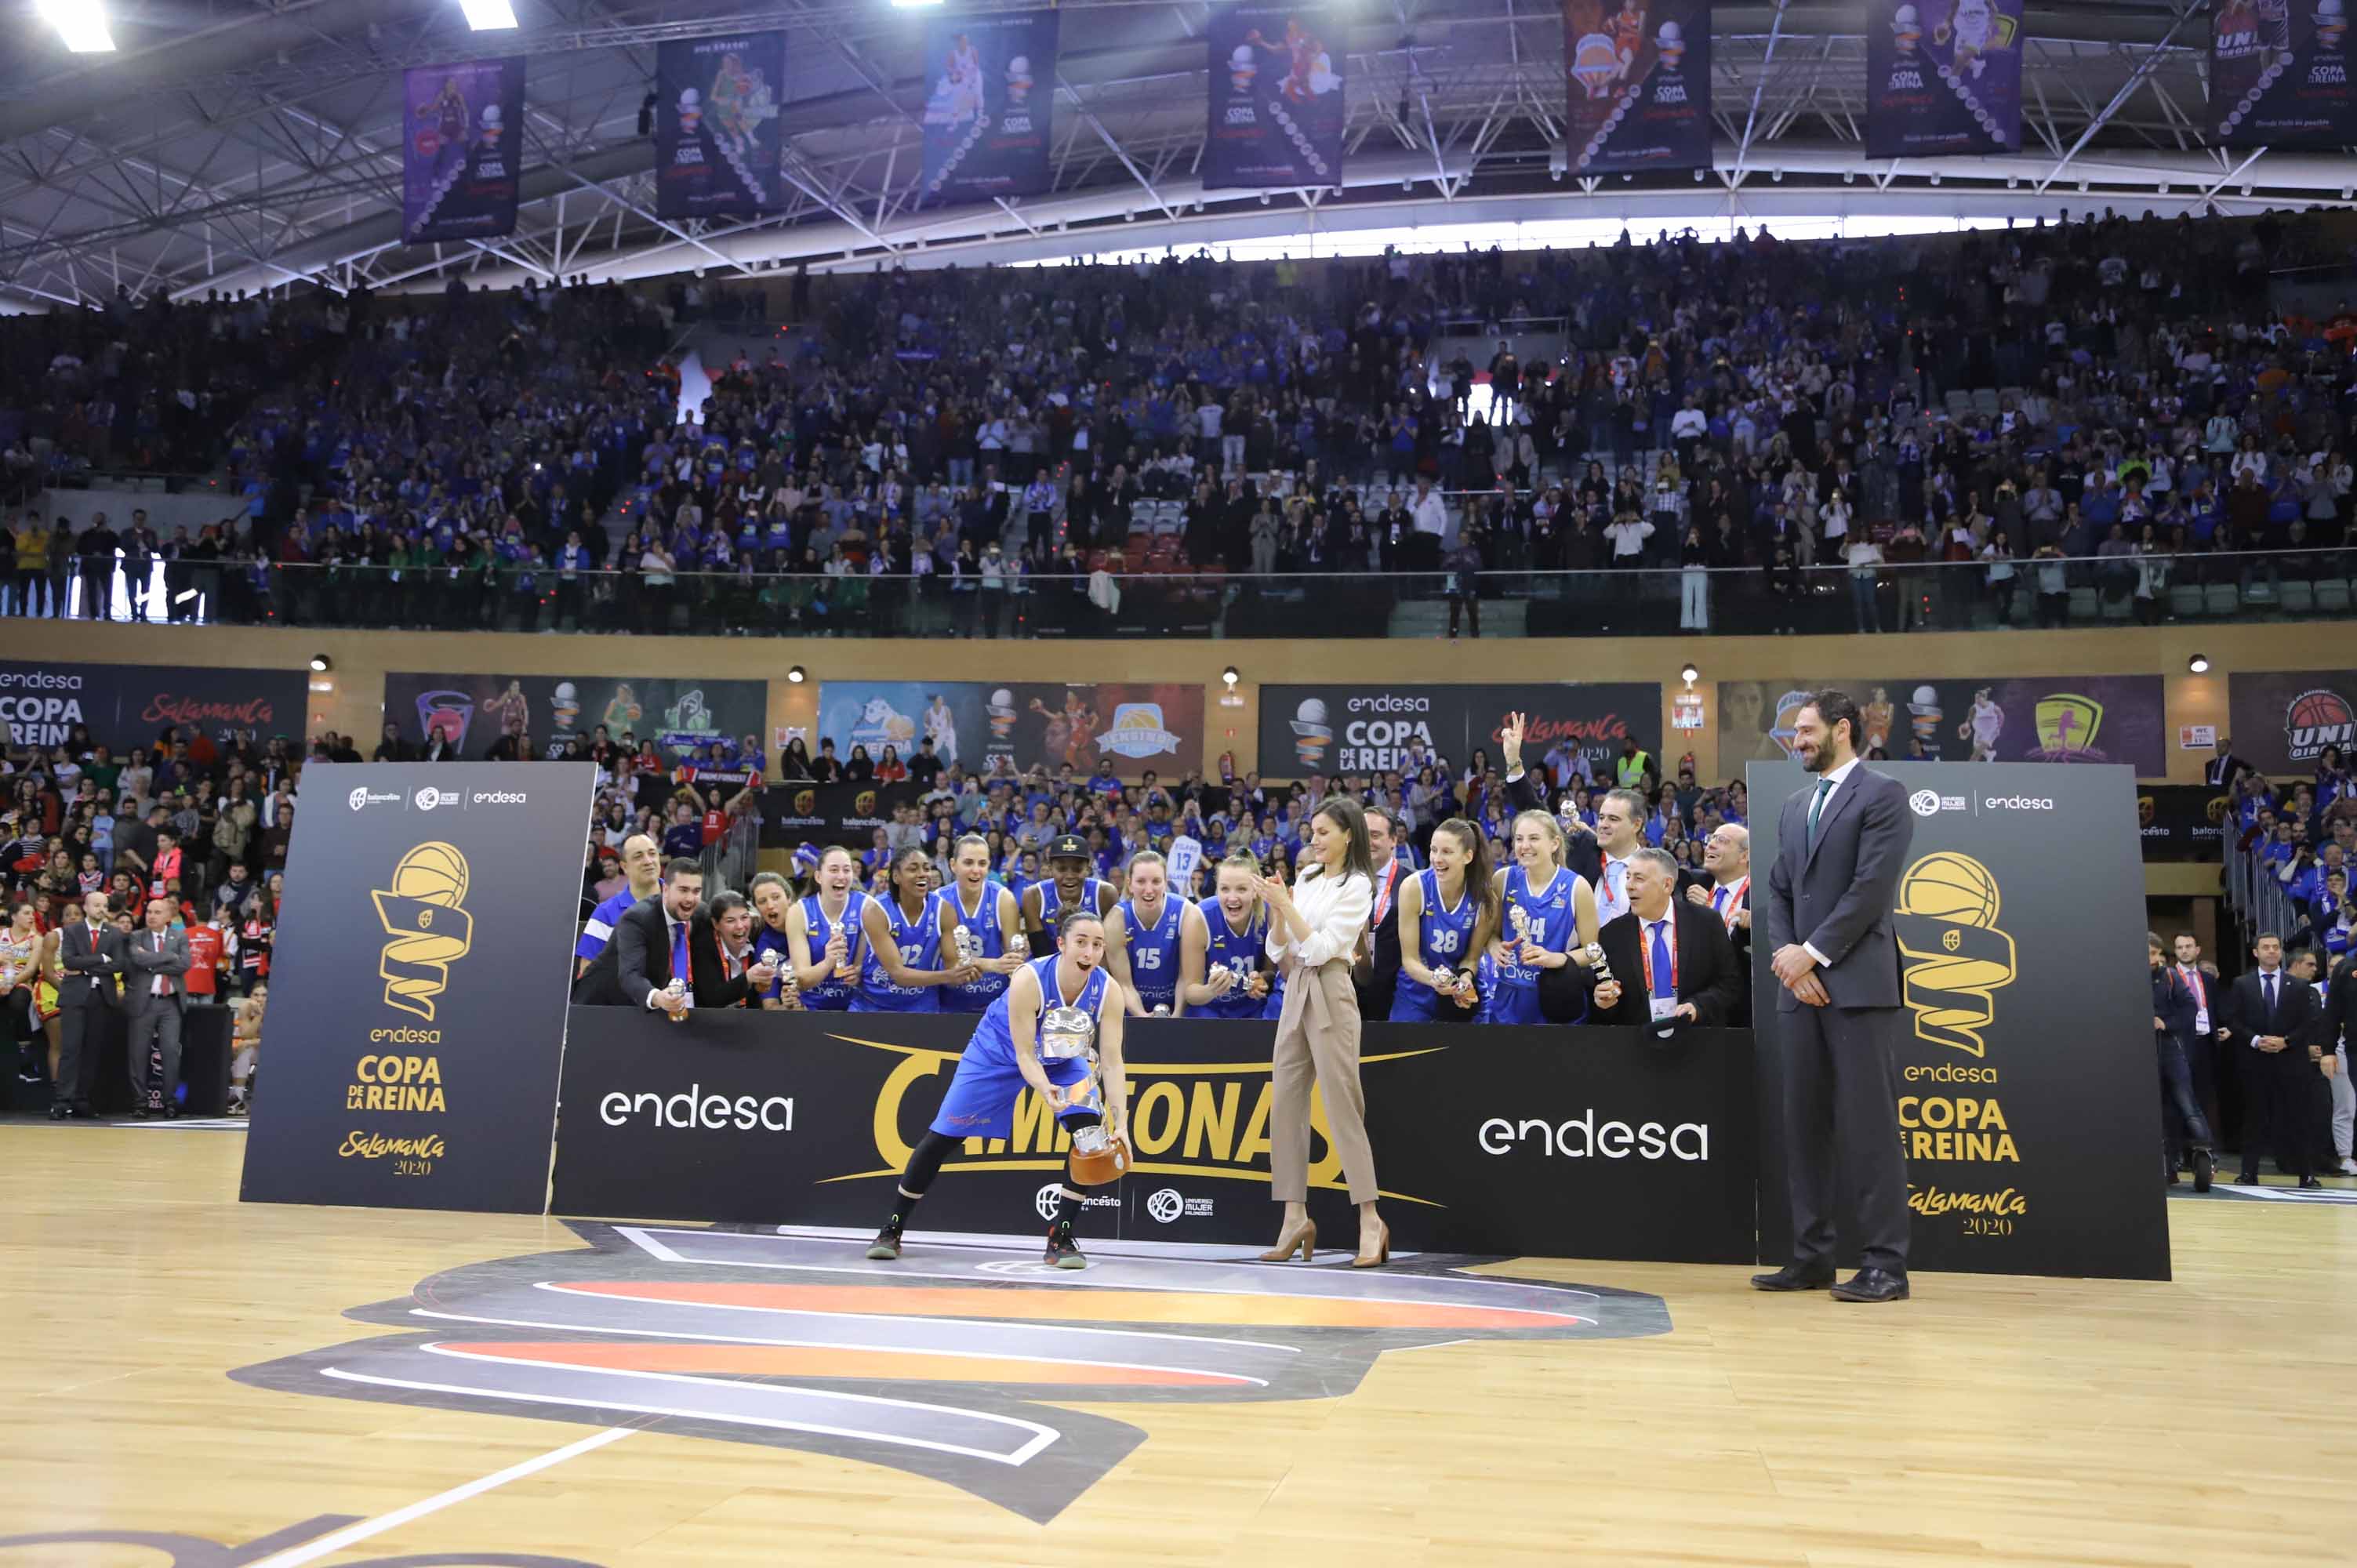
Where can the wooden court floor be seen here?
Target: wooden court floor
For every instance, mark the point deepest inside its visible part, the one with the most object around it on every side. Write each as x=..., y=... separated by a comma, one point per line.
x=2204, y=1422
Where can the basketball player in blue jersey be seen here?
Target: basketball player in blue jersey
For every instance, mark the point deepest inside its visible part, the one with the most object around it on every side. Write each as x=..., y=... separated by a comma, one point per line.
x=1449, y=914
x=1145, y=936
x=1069, y=885
x=990, y=929
x=826, y=933
x=907, y=934
x=774, y=901
x=1228, y=975
x=1038, y=1034
x=642, y=865
x=1546, y=911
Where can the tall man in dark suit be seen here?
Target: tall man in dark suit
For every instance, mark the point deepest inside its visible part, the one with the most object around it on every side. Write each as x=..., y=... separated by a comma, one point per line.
x=1841, y=848
x=661, y=939
x=2267, y=1014
x=89, y=950
x=1670, y=959
x=1377, y=969
x=155, y=996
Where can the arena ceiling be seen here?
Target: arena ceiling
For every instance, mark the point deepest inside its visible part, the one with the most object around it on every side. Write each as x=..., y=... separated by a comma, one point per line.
x=245, y=144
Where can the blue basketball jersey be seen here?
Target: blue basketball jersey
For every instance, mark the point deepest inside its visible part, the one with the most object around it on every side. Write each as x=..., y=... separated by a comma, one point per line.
x=1153, y=951
x=1240, y=951
x=985, y=939
x=1548, y=919
x=1052, y=902
x=1444, y=941
x=982, y=1095
x=834, y=994
x=919, y=941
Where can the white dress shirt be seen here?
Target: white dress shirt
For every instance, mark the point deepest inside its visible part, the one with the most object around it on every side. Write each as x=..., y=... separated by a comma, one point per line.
x=1836, y=777
x=1335, y=909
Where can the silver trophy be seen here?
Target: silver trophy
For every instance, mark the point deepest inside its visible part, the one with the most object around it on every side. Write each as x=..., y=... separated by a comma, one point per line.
x=969, y=945
x=1594, y=955
x=1066, y=1034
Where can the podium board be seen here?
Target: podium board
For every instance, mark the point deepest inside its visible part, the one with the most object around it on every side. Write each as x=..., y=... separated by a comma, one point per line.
x=418, y=988
x=2028, y=1101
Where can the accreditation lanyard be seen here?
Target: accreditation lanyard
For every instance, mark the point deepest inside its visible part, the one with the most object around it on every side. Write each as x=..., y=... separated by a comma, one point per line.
x=1645, y=948
x=1733, y=902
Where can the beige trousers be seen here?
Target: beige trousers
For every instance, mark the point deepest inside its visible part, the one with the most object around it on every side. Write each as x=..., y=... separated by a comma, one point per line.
x=1318, y=1042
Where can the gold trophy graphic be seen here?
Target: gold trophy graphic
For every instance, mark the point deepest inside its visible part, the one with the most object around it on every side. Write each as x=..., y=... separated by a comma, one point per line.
x=428, y=929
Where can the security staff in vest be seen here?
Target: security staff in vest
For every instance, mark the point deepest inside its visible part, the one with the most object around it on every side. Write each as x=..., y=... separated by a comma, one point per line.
x=1841, y=846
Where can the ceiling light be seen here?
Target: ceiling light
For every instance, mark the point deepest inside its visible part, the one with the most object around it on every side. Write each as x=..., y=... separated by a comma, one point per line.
x=797, y=675
x=1936, y=179
x=80, y=24
x=2198, y=664
x=321, y=663
x=1229, y=675
x=489, y=16
x=1849, y=176
x=914, y=5
x=1689, y=675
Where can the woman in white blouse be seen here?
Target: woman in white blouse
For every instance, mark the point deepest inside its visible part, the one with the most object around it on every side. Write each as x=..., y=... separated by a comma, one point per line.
x=1314, y=932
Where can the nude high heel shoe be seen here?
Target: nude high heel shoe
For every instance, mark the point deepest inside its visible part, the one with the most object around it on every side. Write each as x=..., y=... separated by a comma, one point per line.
x=1303, y=1236
x=1382, y=1254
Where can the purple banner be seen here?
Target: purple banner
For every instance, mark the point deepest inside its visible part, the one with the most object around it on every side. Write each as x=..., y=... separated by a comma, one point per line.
x=717, y=140
x=1943, y=78
x=1276, y=96
x=2279, y=74
x=990, y=105
x=462, y=150
x=2034, y=718
x=1639, y=84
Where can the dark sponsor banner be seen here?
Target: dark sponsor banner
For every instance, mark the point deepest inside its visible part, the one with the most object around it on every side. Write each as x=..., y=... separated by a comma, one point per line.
x=848, y=814
x=421, y=986
x=718, y=142
x=462, y=150
x=125, y=705
x=1332, y=729
x=2025, y=1072
x=2279, y=74
x=990, y=105
x=544, y=712
x=2281, y=721
x=2181, y=822
x=1139, y=728
x=1943, y=78
x=1277, y=106
x=807, y=1119
x=1640, y=85
x=2035, y=718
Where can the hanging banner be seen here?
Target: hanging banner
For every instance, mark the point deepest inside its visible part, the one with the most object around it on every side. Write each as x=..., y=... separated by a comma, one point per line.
x=2030, y=718
x=123, y=705
x=1640, y=85
x=2019, y=922
x=2279, y=74
x=800, y=812
x=1138, y=728
x=543, y=713
x=718, y=142
x=461, y=150
x=2282, y=721
x=1333, y=730
x=1943, y=78
x=992, y=105
x=2182, y=821
x=1276, y=96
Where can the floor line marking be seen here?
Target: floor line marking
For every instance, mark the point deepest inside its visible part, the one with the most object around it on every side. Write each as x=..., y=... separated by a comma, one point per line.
x=328, y=1544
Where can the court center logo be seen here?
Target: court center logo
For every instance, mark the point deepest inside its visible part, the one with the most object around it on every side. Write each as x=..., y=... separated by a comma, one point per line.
x=968, y=1361
x=1954, y=954
x=427, y=927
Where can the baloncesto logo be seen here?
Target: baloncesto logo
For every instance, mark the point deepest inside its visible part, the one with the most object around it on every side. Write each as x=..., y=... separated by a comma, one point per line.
x=961, y=1362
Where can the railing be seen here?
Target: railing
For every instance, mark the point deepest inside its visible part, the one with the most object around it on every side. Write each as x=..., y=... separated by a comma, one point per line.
x=2284, y=584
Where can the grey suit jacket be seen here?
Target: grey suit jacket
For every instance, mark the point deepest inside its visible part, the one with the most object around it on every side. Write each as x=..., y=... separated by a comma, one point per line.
x=142, y=963
x=1837, y=895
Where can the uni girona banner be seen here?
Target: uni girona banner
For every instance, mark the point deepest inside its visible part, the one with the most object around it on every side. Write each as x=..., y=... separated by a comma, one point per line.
x=992, y=105
x=1276, y=96
x=427, y=984
x=1943, y=78
x=2281, y=721
x=2020, y=923
x=461, y=150
x=2279, y=74
x=718, y=145
x=1640, y=85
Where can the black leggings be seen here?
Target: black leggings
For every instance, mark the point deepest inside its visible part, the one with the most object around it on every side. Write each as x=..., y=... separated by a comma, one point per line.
x=925, y=1164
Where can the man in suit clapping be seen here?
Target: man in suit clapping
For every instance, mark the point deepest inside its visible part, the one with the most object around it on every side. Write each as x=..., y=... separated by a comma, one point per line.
x=1841, y=847
x=665, y=938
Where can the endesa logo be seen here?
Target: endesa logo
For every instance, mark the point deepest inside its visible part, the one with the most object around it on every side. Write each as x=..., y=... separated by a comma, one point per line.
x=2017, y=803
x=694, y=1111
x=1583, y=1137
x=501, y=797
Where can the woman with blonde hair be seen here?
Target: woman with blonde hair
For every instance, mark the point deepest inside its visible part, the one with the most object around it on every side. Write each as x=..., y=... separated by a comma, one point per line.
x=1546, y=913
x=1314, y=932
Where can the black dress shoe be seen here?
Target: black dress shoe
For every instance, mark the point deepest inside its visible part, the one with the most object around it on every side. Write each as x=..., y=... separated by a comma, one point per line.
x=2246, y=1178
x=2205, y=1170
x=2310, y=1183
x=1872, y=1284
x=57, y=1112
x=1795, y=1276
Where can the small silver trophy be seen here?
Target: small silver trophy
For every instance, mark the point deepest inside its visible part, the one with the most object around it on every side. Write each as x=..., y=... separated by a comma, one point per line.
x=969, y=946
x=1594, y=953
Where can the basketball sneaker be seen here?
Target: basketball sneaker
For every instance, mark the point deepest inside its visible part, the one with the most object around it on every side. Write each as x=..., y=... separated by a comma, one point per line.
x=885, y=1248
x=1061, y=1251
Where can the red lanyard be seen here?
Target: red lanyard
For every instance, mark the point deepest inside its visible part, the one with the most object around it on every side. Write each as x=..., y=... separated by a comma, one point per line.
x=1645, y=948
x=1383, y=897
x=1734, y=902
x=2193, y=979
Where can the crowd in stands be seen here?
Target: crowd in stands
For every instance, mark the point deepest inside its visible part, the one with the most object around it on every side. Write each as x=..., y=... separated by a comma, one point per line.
x=2113, y=406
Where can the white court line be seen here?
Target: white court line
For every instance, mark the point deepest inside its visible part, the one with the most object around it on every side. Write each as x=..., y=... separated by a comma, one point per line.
x=313, y=1551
